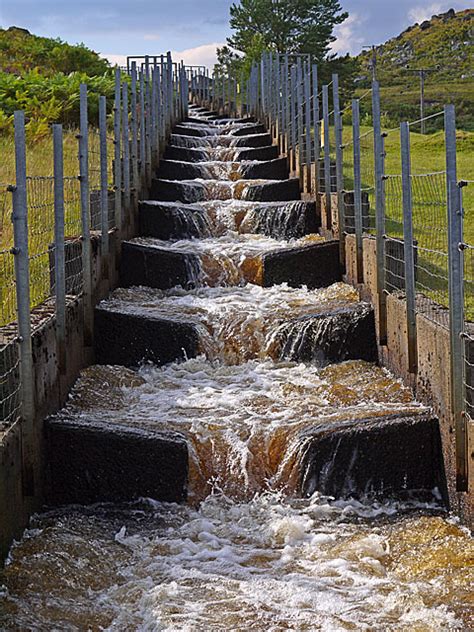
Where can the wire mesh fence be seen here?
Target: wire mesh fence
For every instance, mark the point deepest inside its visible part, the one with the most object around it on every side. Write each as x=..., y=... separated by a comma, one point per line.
x=10, y=383
x=429, y=199
x=40, y=199
x=7, y=264
x=394, y=264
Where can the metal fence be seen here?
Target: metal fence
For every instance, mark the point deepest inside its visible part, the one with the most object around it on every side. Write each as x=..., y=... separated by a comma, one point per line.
x=369, y=182
x=49, y=221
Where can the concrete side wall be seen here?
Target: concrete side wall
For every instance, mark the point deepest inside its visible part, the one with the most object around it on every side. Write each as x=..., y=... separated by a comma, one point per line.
x=21, y=488
x=432, y=383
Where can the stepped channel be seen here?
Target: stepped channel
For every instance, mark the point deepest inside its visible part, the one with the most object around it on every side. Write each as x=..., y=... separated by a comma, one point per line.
x=236, y=459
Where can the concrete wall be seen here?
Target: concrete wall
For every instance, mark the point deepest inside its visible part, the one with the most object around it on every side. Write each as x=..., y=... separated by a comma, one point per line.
x=432, y=382
x=21, y=486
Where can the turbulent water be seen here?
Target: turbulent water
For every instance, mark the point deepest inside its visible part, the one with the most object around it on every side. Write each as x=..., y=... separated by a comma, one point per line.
x=245, y=553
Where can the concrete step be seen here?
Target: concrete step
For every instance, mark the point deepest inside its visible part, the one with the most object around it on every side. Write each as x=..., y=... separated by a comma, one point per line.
x=186, y=140
x=175, y=220
x=393, y=456
x=129, y=338
x=187, y=154
x=161, y=266
x=89, y=462
x=267, y=170
x=192, y=191
x=306, y=329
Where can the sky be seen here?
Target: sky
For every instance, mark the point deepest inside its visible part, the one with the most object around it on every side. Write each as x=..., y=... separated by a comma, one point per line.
x=192, y=29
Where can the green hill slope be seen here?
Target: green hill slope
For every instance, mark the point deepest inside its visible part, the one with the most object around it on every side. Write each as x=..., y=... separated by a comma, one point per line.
x=445, y=46
x=21, y=52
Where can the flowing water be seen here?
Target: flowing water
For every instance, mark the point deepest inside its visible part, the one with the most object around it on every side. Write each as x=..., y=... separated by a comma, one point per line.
x=245, y=552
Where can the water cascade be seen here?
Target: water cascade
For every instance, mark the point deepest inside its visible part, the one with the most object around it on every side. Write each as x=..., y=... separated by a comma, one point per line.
x=282, y=479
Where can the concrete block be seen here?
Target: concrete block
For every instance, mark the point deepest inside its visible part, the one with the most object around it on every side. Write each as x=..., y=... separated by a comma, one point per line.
x=157, y=267
x=396, y=456
x=347, y=333
x=90, y=463
x=129, y=339
x=315, y=266
x=171, y=191
x=259, y=153
x=266, y=170
x=282, y=190
x=171, y=220
x=250, y=130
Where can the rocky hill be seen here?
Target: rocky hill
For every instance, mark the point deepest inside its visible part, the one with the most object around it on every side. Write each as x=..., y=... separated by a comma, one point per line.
x=444, y=44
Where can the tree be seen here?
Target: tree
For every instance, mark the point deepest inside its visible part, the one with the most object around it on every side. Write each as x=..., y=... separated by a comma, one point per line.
x=286, y=26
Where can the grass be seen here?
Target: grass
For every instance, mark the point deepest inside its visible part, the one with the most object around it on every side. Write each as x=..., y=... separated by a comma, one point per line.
x=429, y=203
x=40, y=192
x=427, y=154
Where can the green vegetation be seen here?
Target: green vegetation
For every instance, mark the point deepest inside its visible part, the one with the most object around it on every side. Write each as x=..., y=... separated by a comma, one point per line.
x=286, y=26
x=443, y=45
x=42, y=76
x=22, y=52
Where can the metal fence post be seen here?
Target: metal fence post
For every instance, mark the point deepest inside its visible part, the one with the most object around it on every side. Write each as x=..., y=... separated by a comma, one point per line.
x=148, y=132
x=142, y=131
x=408, y=247
x=22, y=280
x=134, y=125
x=339, y=169
x=126, y=153
x=456, y=297
x=104, y=192
x=327, y=158
x=316, y=138
x=293, y=118
x=357, y=189
x=299, y=117
x=59, y=253
x=117, y=154
x=85, y=217
x=307, y=97
x=379, y=169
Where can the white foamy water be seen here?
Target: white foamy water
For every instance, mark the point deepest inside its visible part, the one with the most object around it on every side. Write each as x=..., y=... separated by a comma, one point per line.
x=216, y=140
x=245, y=554
x=235, y=323
x=269, y=564
x=231, y=259
x=243, y=422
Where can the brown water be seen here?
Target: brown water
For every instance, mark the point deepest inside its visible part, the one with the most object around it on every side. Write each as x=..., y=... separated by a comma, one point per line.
x=244, y=553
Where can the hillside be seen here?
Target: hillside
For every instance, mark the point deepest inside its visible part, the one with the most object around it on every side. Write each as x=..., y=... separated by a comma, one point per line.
x=41, y=76
x=21, y=52
x=443, y=44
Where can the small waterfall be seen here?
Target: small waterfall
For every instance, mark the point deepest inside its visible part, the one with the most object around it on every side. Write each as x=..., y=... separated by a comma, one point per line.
x=281, y=221
x=328, y=337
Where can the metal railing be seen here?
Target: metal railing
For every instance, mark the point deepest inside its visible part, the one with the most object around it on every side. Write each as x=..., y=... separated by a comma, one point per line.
x=46, y=248
x=368, y=182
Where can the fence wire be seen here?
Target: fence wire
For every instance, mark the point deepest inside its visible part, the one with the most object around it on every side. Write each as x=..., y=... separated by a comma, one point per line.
x=394, y=272
x=468, y=334
x=40, y=199
x=7, y=264
x=94, y=179
x=10, y=383
x=429, y=200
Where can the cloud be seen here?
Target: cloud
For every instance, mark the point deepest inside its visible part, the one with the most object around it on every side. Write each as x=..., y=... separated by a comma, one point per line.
x=151, y=37
x=347, y=38
x=204, y=55
x=422, y=13
x=120, y=60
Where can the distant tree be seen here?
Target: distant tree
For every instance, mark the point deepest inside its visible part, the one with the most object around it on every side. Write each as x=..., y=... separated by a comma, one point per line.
x=293, y=26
